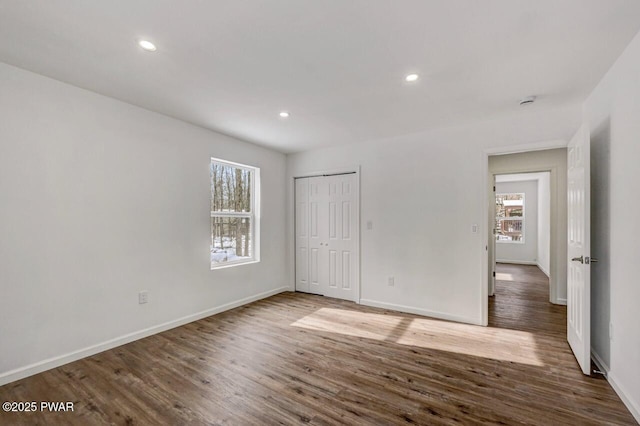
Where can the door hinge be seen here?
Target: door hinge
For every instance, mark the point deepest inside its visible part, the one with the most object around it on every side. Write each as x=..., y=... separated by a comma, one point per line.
x=494, y=273
x=494, y=188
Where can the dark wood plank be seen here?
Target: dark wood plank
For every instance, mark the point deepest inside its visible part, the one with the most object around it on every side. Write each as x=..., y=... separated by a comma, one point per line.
x=297, y=358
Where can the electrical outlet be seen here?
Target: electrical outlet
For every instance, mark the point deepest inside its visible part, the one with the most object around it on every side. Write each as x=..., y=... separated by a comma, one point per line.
x=391, y=281
x=474, y=228
x=143, y=297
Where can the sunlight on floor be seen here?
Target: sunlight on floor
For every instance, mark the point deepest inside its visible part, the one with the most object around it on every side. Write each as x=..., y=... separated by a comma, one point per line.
x=502, y=276
x=492, y=343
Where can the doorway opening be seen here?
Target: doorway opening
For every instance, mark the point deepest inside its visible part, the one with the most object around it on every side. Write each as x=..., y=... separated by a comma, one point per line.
x=521, y=222
x=569, y=272
x=522, y=167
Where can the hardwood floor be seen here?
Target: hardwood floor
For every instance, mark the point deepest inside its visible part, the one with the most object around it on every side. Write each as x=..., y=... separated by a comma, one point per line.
x=521, y=301
x=296, y=358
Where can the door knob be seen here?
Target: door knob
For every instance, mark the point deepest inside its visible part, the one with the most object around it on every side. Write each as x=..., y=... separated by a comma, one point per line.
x=578, y=259
x=594, y=260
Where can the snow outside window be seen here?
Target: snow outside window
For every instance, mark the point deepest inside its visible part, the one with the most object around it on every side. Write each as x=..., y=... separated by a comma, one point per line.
x=510, y=218
x=235, y=220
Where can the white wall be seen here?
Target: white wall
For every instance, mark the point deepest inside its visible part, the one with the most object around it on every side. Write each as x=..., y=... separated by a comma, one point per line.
x=544, y=223
x=101, y=199
x=613, y=113
x=422, y=194
x=527, y=251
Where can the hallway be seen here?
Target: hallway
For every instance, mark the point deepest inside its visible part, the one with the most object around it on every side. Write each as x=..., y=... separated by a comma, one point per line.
x=521, y=301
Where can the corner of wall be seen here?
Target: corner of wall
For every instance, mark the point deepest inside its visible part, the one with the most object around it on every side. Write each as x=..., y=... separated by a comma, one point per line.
x=543, y=269
x=633, y=406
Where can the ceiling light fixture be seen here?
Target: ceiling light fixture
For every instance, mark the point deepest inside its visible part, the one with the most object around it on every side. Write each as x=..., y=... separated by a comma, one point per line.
x=147, y=45
x=411, y=77
x=284, y=114
x=527, y=100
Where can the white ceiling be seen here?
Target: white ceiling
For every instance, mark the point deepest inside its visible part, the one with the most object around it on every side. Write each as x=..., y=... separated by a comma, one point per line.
x=337, y=65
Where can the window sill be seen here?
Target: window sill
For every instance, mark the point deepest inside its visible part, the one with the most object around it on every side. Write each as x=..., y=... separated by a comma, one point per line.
x=232, y=264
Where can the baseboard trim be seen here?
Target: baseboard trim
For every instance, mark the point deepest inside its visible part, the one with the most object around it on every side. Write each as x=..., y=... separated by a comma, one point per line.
x=602, y=366
x=544, y=271
x=632, y=406
x=561, y=302
x=517, y=262
x=54, y=362
x=419, y=311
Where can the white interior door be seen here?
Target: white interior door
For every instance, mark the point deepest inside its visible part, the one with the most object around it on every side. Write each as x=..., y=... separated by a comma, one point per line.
x=318, y=231
x=327, y=235
x=339, y=239
x=579, y=237
x=302, y=234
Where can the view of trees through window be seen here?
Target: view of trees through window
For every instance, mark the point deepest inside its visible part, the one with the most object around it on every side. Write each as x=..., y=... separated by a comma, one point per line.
x=510, y=217
x=232, y=213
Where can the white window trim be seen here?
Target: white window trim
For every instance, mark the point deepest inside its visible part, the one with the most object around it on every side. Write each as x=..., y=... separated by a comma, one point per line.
x=253, y=215
x=233, y=214
x=521, y=219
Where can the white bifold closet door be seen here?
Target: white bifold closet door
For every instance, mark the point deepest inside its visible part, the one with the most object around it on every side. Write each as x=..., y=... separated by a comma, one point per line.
x=326, y=235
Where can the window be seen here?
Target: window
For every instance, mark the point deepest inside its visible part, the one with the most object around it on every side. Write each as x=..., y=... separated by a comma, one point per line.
x=510, y=218
x=235, y=219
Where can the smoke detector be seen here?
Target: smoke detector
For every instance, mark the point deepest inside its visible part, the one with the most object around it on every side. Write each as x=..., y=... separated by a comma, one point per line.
x=527, y=100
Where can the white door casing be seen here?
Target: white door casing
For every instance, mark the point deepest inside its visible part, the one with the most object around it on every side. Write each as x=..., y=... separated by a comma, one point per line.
x=579, y=248
x=326, y=251
x=492, y=252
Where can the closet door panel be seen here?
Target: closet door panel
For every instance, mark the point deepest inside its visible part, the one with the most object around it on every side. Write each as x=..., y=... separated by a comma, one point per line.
x=302, y=234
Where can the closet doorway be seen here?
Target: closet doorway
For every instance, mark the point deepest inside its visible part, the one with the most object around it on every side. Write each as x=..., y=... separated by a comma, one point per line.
x=327, y=235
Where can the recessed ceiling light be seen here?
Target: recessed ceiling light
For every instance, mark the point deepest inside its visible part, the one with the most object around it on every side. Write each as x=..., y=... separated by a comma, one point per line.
x=411, y=77
x=528, y=100
x=284, y=114
x=147, y=45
